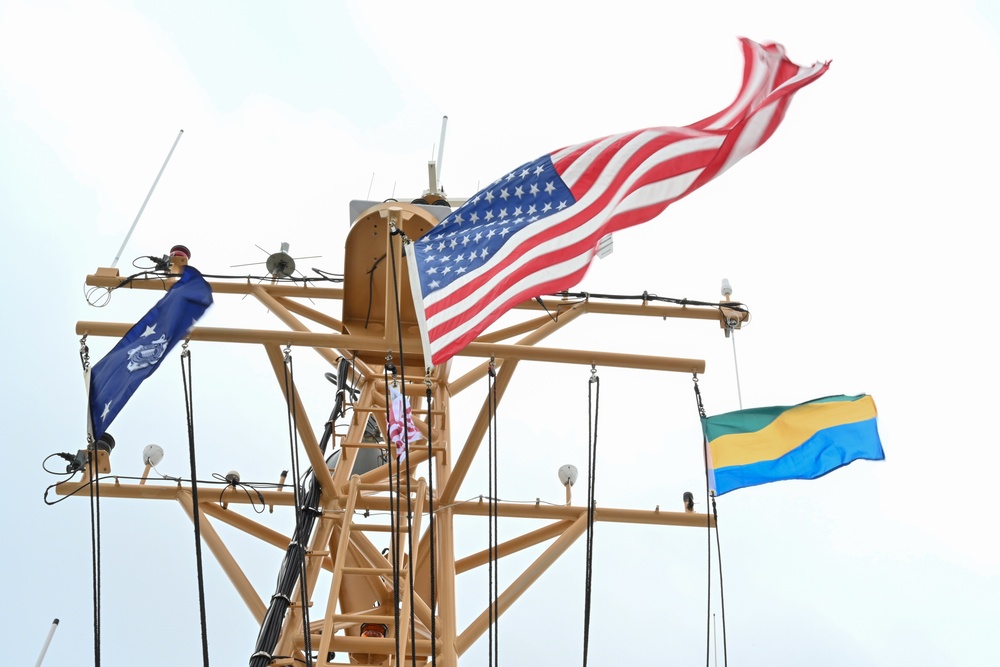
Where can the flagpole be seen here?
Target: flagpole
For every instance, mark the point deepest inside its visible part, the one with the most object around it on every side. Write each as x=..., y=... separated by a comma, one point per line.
x=48, y=640
x=146, y=201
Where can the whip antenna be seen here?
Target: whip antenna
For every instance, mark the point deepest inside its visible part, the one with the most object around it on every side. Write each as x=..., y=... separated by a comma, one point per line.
x=48, y=640
x=145, y=201
x=440, y=160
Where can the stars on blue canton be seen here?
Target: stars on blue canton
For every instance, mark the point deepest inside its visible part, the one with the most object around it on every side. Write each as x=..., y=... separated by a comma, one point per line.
x=464, y=240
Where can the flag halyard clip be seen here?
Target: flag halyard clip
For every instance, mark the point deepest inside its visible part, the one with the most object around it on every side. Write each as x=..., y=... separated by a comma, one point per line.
x=697, y=396
x=84, y=353
x=392, y=216
x=391, y=367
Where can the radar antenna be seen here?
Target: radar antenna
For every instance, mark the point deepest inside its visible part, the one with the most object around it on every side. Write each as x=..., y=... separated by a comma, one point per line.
x=279, y=264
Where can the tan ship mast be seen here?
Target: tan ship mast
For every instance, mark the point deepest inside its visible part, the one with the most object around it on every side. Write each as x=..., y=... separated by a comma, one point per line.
x=361, y=589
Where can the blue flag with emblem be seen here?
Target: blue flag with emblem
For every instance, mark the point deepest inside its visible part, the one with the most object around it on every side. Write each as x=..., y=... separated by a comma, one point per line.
x=115, y=378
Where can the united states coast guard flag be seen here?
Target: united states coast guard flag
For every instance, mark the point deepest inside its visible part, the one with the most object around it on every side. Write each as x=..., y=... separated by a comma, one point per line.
x=535, y=230
x=805, y=441
x=115, y=378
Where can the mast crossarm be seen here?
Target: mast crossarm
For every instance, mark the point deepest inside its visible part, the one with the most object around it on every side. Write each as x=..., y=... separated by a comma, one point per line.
x=517, y=329
x=293, y=323
x=512, y=546
x=690, y=312
x=549, y=512
x=225, y=559
x=379, y=503
x=246, y=524
x=540, y=510
x=110, y=278
x=309, y=442
x=538, y=334
x=168, y=491
x=530, y=575
x=449, y=488
x=311, y=313
x=347, y=343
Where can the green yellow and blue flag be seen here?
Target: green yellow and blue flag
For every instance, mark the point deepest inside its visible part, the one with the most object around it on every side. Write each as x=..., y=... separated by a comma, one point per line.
x=804, y=441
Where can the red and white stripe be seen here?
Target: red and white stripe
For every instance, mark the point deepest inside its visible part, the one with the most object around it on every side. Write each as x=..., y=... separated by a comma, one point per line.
x=401, y=429
x=618, y=181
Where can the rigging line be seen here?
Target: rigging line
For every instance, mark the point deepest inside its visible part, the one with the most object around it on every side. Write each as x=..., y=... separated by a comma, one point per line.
x=245, y=487
x=95, y=507
x=187, y=379
x=371, y=288
x=494, y=538
x=708, y=521
x=95, y=548
x=293, y=442
x=393, y=507
x=542, y=304
x=271, y=625
x=646, y=297
x=739, y=392
x=430, y=519
x=593, y=412
x=491, y=522
x=406, y=445
x=489, y=513
x=409, y=533
x=722, y=595
x=494, y=505
x=327, y=275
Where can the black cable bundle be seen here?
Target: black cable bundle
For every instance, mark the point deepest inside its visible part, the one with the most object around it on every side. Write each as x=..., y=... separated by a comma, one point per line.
x=288, y=575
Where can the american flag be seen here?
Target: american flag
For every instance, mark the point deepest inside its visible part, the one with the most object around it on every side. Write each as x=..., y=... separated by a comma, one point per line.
x=535, y=229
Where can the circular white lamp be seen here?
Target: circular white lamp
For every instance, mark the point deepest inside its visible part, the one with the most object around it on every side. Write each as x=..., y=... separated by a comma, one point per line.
x=567, y=475
x=152, y=455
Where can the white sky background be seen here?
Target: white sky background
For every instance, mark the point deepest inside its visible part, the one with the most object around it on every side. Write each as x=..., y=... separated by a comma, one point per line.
x=857, y=235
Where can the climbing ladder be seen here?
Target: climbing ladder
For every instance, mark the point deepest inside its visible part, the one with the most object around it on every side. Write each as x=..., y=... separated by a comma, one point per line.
x=356, y=559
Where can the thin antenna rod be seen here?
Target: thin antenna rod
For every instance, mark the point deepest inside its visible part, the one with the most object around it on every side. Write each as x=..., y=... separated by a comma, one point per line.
x=736, y=365
x=440, y=160
x=145, y=201
x=48, y=640
x=715, y=637
x=370, y=185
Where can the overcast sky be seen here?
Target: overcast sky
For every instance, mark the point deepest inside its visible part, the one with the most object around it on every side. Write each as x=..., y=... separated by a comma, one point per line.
x=858, y=236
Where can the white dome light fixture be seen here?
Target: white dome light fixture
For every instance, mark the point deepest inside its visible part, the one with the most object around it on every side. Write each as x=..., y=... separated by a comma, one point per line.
x=568, y=475
x=152, y=455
